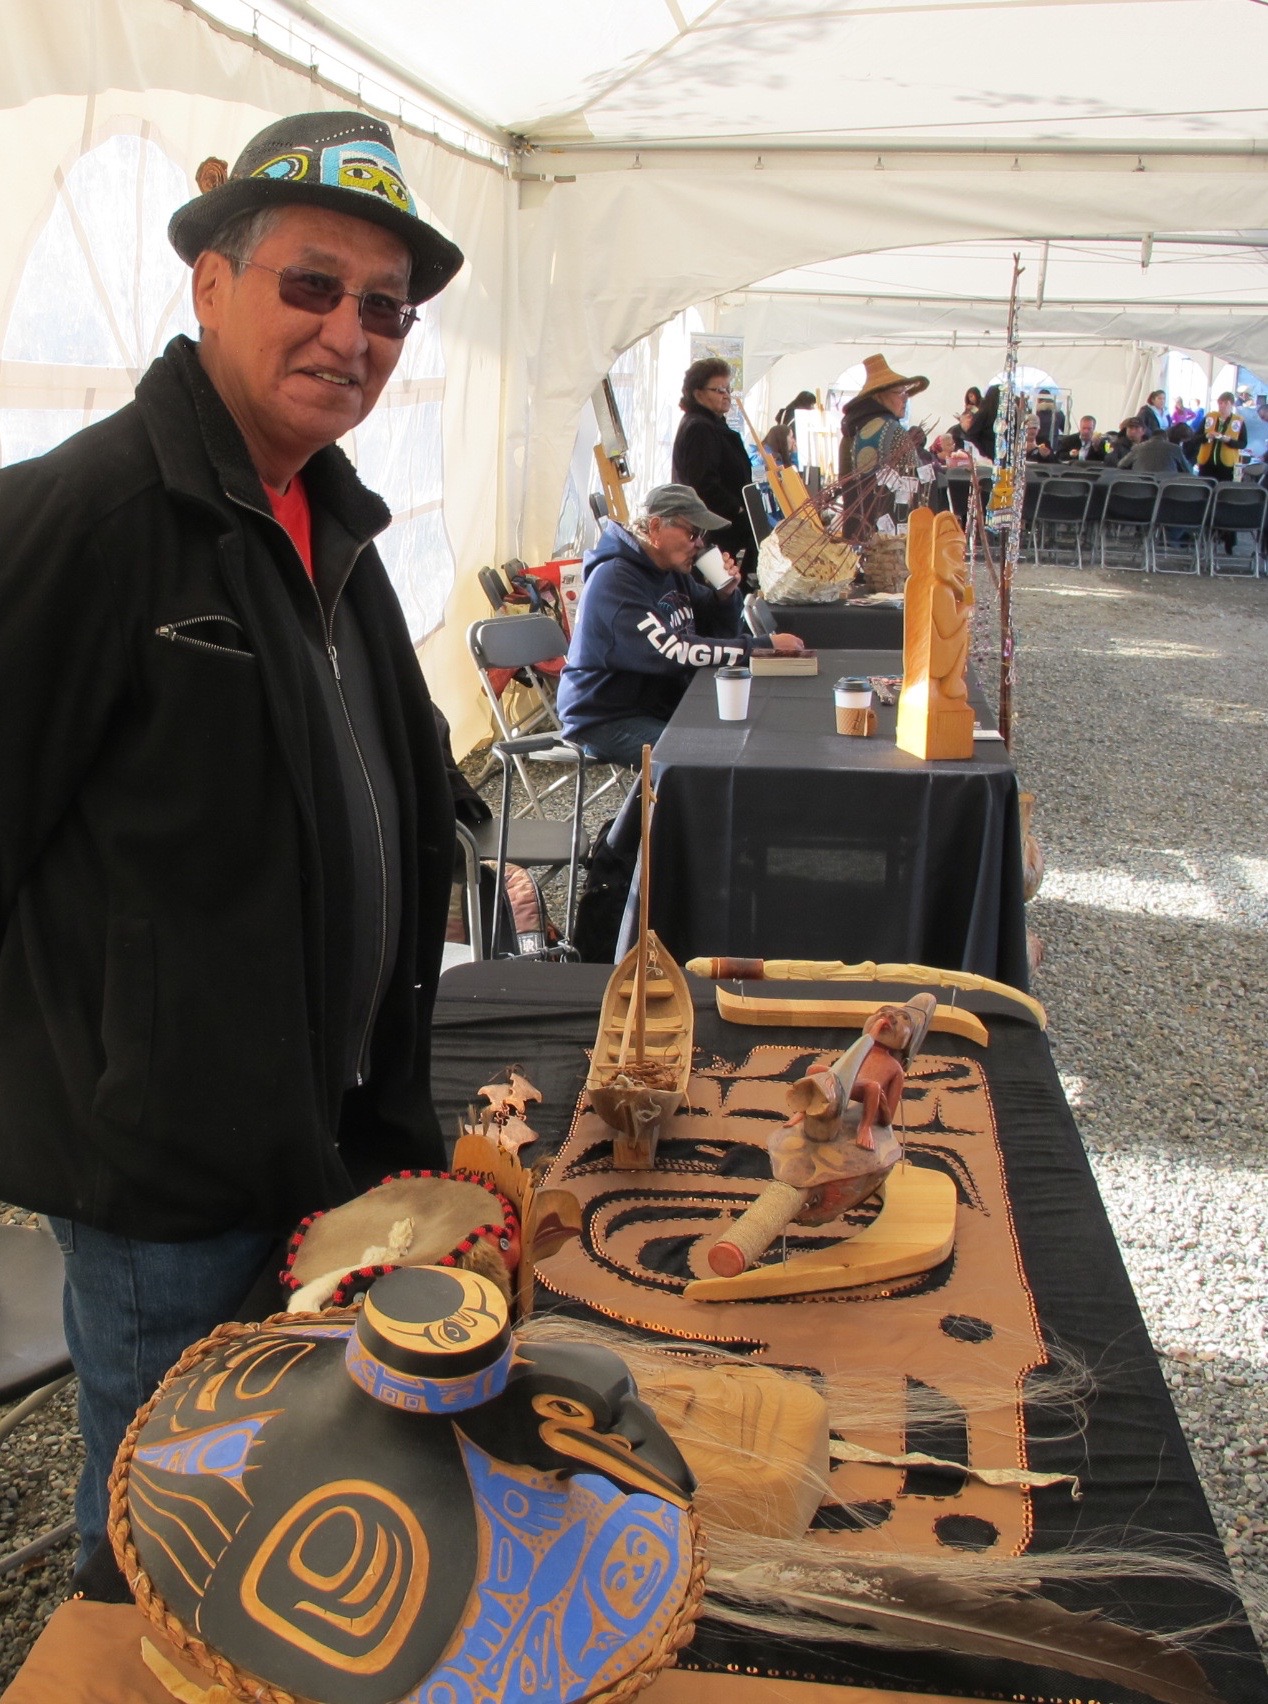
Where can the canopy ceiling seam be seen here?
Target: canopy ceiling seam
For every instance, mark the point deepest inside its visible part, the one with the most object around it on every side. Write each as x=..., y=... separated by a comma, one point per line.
x=502, y=142
x=888, y=153
x=1065, y=304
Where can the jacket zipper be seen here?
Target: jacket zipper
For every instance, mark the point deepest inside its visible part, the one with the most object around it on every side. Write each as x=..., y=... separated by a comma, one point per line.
x=171, y=630
x=332, y=655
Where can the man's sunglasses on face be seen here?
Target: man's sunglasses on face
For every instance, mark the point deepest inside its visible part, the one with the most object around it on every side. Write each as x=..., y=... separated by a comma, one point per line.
x=694, y=534
x=319, y=293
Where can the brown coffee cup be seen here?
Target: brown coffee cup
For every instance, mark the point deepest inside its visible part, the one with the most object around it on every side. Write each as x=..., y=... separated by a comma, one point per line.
x=862, y=722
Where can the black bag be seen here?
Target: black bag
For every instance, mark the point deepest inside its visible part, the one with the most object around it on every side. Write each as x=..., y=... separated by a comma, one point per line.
x=609, y=876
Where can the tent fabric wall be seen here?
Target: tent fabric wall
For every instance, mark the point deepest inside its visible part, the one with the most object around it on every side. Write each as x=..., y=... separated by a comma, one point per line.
x=75, y=72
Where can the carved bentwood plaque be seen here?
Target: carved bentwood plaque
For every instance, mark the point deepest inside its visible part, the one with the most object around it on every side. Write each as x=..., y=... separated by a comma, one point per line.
x=963, y=1337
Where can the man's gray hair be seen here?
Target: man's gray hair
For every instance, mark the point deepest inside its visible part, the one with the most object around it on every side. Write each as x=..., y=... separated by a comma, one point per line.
x=238, y=238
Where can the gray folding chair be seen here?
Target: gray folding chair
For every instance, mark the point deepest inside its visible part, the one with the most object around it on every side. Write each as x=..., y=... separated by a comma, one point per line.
x=758, y=519
x=1184, y=506
x=1061, y=503
x=34, y=1361
x=536, y=845
x=1237, y=509
x=1130, y=501
x=521, y=644
x=757, y=617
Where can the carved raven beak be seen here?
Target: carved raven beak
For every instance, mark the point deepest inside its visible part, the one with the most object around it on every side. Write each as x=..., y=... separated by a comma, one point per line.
x=633, y=1451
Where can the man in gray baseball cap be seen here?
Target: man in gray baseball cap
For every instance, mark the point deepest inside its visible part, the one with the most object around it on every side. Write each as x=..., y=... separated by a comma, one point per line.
x=646, y=623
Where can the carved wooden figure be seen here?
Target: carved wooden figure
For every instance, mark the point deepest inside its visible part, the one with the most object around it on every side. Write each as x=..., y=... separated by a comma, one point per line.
x=935, y=719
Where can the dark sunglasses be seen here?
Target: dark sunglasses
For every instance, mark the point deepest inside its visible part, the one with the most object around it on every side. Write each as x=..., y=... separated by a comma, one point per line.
x=319, y=293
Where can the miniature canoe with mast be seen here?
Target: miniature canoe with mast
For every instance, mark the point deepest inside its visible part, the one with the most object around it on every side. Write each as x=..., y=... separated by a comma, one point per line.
x=642, y=1053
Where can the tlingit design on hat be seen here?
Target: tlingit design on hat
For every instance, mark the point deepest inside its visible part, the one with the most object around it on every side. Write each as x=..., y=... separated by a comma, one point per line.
x=345, y=162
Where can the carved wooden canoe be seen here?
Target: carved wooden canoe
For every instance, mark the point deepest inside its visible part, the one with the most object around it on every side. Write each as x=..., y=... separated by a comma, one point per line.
x=635, y=1099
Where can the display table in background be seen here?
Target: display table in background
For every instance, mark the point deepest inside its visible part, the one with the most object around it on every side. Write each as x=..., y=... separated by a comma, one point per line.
x=777, y=837
x=842, y=626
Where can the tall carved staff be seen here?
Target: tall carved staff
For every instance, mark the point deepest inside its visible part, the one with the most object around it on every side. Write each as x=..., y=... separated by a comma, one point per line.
x=1010, y=487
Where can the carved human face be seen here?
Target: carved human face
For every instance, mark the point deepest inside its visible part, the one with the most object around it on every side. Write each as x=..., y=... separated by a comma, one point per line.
x=890, y=1026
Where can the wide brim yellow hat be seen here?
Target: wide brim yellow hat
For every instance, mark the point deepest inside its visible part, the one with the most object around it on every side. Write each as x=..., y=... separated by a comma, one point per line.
x=880, y=376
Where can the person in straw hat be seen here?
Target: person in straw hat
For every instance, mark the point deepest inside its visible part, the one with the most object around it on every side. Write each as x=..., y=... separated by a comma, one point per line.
x=871, y=424
x=226, y=836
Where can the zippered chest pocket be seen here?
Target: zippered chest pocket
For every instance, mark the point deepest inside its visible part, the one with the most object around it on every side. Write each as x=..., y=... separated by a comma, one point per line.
x=219, y=634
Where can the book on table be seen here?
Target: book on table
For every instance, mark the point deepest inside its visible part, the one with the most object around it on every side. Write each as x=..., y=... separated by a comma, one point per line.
x=784, y=663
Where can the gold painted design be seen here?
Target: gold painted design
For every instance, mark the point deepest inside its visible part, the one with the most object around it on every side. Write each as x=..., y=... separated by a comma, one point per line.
x=479, y=1319
x=356, y=1617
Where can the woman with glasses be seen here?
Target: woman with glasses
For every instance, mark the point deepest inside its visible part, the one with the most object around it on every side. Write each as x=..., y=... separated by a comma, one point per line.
x=711, y=458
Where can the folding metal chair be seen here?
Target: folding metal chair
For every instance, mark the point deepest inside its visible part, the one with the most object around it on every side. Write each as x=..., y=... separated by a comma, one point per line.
x=757, y=617
x=34, y=1361
x=1129, y=505
x=758, y=519
x=516, y=646
x=957, y=479
x=494, y=587
x=1235, y=509
x=1184, y=505
x=1061, y=503
x=534, y=844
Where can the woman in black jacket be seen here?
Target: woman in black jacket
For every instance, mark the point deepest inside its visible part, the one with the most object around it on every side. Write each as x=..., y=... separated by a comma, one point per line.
x=710, y=457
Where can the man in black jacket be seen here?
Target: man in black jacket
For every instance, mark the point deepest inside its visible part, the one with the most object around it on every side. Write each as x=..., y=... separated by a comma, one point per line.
x=226, y=838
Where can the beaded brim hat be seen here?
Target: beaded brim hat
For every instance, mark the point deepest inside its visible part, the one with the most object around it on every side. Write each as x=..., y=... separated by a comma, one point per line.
x=345, y=162
x=400, y=1501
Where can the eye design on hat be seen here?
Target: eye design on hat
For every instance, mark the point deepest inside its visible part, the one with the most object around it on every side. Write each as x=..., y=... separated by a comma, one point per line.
x=285, y=168
x=368, y=168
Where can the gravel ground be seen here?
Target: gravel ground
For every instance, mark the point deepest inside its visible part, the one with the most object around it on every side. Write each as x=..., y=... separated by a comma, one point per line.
x=1143, y=718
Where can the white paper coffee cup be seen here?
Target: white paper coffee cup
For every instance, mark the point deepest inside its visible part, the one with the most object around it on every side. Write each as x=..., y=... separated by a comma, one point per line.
x=733, y=689
x=711, y=565
x=853, y=694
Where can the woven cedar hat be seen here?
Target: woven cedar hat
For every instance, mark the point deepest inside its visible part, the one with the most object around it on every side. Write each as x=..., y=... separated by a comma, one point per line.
x=880, y=376
x=342, y=161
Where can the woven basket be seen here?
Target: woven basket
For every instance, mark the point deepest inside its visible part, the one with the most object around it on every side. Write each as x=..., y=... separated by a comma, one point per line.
x=884, y=563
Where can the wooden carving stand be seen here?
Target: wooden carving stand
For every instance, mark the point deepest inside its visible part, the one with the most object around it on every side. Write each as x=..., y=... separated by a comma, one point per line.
x=842, y=1014
x=935, y=719
x=914, y=1230
x=613, y=476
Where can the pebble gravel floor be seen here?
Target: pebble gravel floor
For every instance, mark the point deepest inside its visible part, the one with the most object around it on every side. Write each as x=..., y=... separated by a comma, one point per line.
x=1143, y=727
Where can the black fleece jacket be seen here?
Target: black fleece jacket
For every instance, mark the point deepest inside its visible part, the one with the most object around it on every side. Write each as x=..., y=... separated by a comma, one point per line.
x=178, y=863
x=712, y=460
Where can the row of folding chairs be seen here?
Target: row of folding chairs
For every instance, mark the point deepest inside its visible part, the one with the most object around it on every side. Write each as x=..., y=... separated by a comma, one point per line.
x=1157, y=524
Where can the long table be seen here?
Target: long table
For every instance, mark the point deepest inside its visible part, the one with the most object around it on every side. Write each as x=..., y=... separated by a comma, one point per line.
x=777, y=837
x=1050, y=1230
x=1138, y=1479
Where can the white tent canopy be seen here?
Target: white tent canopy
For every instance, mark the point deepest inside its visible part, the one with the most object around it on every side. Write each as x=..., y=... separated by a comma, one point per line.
x=606, y=166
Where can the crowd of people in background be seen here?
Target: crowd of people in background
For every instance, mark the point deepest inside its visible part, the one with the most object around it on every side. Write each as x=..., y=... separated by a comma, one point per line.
x=1154, y=440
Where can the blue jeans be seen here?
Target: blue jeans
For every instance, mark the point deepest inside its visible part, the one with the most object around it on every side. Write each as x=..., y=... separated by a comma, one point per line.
x=622, y=741
x=129, y=1309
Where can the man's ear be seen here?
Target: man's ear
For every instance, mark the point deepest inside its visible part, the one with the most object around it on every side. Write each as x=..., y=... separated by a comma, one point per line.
x=213, y=278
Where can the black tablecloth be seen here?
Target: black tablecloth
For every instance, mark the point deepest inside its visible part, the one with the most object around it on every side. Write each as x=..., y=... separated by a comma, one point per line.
x=777, y=837
x=1139, y=1484
x=842, y=626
